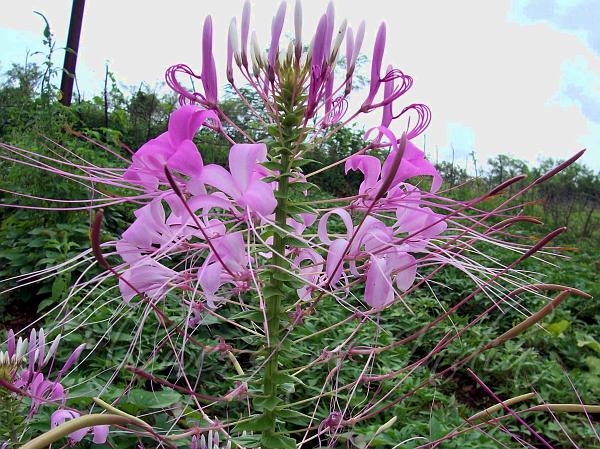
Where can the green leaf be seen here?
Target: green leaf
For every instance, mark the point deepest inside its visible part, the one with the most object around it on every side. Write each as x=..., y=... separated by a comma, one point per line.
x=292, y=416
x=247, y=440
x=266, y=403
x=301, y=162
x=278, y=442
x=252, y=315
x=255, y=424
x=281, y=378
x=590, y=343
x=47, y=32
x=296, y=243
x=153, y=399
x=558, y=327
x=593, y=364
x=272, y=165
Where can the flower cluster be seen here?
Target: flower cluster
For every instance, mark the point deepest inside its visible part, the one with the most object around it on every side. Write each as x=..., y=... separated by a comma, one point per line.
x=24, y=363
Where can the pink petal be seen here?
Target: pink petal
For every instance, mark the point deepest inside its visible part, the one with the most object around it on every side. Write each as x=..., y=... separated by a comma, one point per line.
x=243, y=159
x=185, y=122
x=349, y=48
x=60, y=416
x=276, y=27
x=79, y=434
x=322, y=228
x=408, y=271
x=414, y=164
x=259, y=197
x=358, y=41
x=245, y=30
x=388, y=90
x=311, y=273
x=370, y=166
x=318, y=50
x=72, y=359
x=219, y=178
x=374, y=234
x=378, y=289
x=232, y=250
x=11, y=343
x=377, y=59
x=334, y=255
x=209, y=278
x=186, y=159
x=150, y=278
x=209, y=70
x=100, y=434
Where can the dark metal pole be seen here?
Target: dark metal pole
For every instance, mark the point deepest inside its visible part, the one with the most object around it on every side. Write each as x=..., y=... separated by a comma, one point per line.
x=68, y=76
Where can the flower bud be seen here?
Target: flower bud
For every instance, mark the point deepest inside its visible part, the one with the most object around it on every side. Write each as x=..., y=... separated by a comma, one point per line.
x=339, y=38
x=256, y=52
x=245, y=30
x=234, y=41
x=290, y=51
x=298, y=29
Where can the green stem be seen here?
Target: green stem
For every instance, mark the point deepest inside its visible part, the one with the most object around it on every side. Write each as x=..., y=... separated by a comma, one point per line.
x=273, y=303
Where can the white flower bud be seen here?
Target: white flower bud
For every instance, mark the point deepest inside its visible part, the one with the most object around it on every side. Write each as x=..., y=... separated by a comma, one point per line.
x=234, y=41
x=339, y=38
x=52, y=350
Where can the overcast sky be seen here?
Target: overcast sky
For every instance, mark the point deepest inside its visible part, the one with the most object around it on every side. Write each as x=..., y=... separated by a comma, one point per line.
x=506, y=76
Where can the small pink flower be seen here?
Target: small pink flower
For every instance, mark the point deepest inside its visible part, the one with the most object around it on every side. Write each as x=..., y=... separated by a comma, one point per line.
x=148, y=277
x=311, y=274
x=372, y=235
x=99, y=433
x=174, y=149
x=413, y=164
x=229, y=268
x=243, y=183
x=379, y=290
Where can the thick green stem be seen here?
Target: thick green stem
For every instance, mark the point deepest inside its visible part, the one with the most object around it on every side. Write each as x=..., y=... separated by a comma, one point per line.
x=273, y=303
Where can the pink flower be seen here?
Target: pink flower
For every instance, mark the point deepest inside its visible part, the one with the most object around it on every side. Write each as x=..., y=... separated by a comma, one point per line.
x=372, y=235
x=230, y=267
x=379, y=290
x=148, y=277
x=148, y=230
x=420, y=224
x=243, y=184
x=413, y=164
x=310, y=273
x=40, y=389
x=174, y=149
x=390, y=260
x=100, y=433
